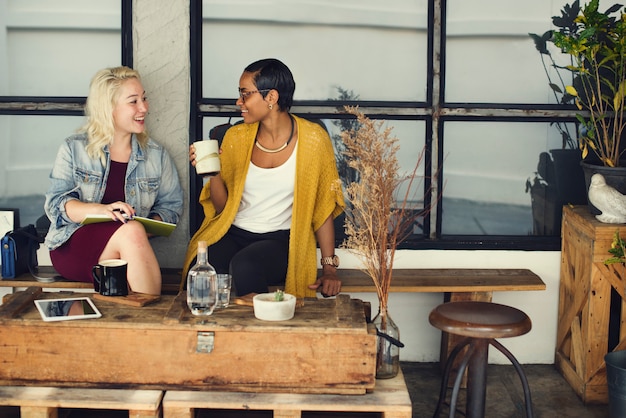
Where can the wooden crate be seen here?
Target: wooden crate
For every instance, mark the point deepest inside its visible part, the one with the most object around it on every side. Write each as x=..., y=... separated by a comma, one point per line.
x=585, y=302
x=390, y=397
x=326, y=348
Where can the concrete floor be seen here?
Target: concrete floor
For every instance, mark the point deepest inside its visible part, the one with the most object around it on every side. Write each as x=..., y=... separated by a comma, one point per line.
x=551, y=394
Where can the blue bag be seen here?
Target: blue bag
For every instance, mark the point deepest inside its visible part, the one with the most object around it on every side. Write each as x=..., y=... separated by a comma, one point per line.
x=19, y=252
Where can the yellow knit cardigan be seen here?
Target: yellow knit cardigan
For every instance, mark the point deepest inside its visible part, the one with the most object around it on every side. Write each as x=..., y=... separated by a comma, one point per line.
x=317, y=195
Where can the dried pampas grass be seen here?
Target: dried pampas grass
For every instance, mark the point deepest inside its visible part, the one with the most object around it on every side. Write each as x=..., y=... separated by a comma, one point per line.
x=376, y=219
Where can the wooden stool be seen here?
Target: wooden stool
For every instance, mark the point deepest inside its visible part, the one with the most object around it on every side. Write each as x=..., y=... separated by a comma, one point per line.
x=481, y=323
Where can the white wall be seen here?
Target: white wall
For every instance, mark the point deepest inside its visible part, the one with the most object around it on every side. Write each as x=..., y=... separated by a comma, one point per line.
x=410, y=310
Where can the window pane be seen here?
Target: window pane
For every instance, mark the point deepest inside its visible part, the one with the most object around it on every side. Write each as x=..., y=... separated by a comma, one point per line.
x=410, y=134
x=29, y=146
x=487, y=168
x=54, y=51
x=488, y=43
x=375, y=49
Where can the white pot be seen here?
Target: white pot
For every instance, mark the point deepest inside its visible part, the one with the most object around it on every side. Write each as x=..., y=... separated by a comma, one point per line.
x=268, y=309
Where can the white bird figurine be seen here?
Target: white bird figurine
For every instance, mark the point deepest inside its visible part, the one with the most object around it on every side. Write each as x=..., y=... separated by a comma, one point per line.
x=609, y=201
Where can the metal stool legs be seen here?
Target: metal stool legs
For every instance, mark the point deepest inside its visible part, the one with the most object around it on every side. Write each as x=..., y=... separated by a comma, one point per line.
x=475, y=361
x=446, y=376
x=520, y=372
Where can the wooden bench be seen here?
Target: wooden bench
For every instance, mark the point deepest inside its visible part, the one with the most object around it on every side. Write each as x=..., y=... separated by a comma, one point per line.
x=43, y=402
x=457, y=284
x=390, y=397
x=445, y=280
x=171, y=281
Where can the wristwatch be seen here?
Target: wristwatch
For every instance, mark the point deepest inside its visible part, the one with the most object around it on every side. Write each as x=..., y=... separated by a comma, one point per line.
x=333, y=260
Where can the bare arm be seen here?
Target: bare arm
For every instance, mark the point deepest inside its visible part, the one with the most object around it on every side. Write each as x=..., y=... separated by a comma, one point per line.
x=329, y=282
x=219, y=194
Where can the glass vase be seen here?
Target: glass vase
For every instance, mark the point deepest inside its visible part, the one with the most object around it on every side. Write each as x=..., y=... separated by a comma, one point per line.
x=387, y=346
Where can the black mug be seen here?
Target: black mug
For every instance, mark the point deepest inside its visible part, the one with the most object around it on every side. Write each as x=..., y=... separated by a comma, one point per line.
x=109, y=277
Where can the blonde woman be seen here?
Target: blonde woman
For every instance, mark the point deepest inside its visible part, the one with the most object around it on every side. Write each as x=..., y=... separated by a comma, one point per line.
x=111, y=167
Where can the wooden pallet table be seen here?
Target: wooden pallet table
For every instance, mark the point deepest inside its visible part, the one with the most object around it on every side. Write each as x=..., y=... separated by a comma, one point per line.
x=389, y=397
x=328, y=347
x=43, y=402
x=456, y=284
x=585, y=302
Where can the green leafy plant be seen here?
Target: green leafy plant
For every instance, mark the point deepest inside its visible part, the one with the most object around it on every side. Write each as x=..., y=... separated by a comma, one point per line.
x=347, y=174
x=559, y=77
x=596, y=42
x=618, y=250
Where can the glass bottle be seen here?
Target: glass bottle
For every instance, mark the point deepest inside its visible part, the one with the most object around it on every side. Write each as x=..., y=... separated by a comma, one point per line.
x=202, y=284
x=388, y=346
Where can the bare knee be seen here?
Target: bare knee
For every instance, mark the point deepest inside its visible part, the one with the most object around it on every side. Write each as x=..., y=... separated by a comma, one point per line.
x=132, y=231
x=130, y=237
x=130, y=242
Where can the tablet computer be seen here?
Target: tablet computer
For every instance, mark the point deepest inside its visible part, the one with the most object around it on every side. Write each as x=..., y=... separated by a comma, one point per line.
x=67, y=309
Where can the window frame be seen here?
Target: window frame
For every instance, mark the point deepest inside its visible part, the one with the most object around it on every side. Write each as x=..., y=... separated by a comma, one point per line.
x=435, y=111
x=69, y=105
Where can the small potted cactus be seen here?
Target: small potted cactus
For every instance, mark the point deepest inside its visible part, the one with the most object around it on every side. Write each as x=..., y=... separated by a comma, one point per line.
x=274, y=306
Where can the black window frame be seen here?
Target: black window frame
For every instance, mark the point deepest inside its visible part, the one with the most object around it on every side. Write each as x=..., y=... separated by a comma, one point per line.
x=434, y=111
x=69, y=105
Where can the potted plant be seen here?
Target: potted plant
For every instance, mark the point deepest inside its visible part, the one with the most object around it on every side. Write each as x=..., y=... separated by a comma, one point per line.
x=559, y=179
x=275, y=306
x=596, y=43
x=378, y=220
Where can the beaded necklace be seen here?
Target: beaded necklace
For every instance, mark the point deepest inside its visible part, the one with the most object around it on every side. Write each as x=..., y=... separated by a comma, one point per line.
x=282, y=147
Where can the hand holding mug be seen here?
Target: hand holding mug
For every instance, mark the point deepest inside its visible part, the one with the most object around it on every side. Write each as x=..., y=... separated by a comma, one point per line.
x=204, y=156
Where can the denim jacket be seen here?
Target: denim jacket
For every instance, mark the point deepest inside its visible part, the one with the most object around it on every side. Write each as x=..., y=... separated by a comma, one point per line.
x=152, y=184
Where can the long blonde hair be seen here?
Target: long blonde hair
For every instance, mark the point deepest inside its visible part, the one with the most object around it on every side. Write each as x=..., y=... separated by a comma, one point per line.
x=103, y=94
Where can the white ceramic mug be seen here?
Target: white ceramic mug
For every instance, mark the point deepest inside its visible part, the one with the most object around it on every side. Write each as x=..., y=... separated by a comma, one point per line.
x=207, y=157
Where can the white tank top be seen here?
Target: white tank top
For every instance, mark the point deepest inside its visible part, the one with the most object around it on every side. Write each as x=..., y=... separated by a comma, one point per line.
x=267, y=199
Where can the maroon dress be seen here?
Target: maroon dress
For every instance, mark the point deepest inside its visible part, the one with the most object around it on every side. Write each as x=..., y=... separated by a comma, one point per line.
x=75, y=258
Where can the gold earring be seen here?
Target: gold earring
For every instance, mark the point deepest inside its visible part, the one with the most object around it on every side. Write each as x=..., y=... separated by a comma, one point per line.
x=271, y=106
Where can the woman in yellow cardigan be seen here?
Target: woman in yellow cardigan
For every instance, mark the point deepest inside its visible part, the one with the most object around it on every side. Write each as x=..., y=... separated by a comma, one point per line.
x=276, y=195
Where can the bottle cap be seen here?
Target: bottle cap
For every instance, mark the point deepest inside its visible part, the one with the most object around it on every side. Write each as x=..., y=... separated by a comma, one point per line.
x=202, y=246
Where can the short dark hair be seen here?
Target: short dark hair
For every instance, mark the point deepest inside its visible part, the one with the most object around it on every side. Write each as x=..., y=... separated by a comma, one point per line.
x=271, y=73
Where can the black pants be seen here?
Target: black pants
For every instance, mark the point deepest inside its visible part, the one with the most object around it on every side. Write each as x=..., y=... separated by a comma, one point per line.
x=255, y=261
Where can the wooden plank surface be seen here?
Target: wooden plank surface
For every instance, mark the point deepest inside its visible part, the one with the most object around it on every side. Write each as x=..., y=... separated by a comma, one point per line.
x=446, y=280
x=389, y=396
x=27, y=282
x=171, y=312
x=355, y=281
x=19, y=302
x=132, y=299
x=170, y=280
x=80, y=398
x=581, y=219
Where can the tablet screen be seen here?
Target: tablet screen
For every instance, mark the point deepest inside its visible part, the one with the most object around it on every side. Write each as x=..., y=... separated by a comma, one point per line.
x=67, y=309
